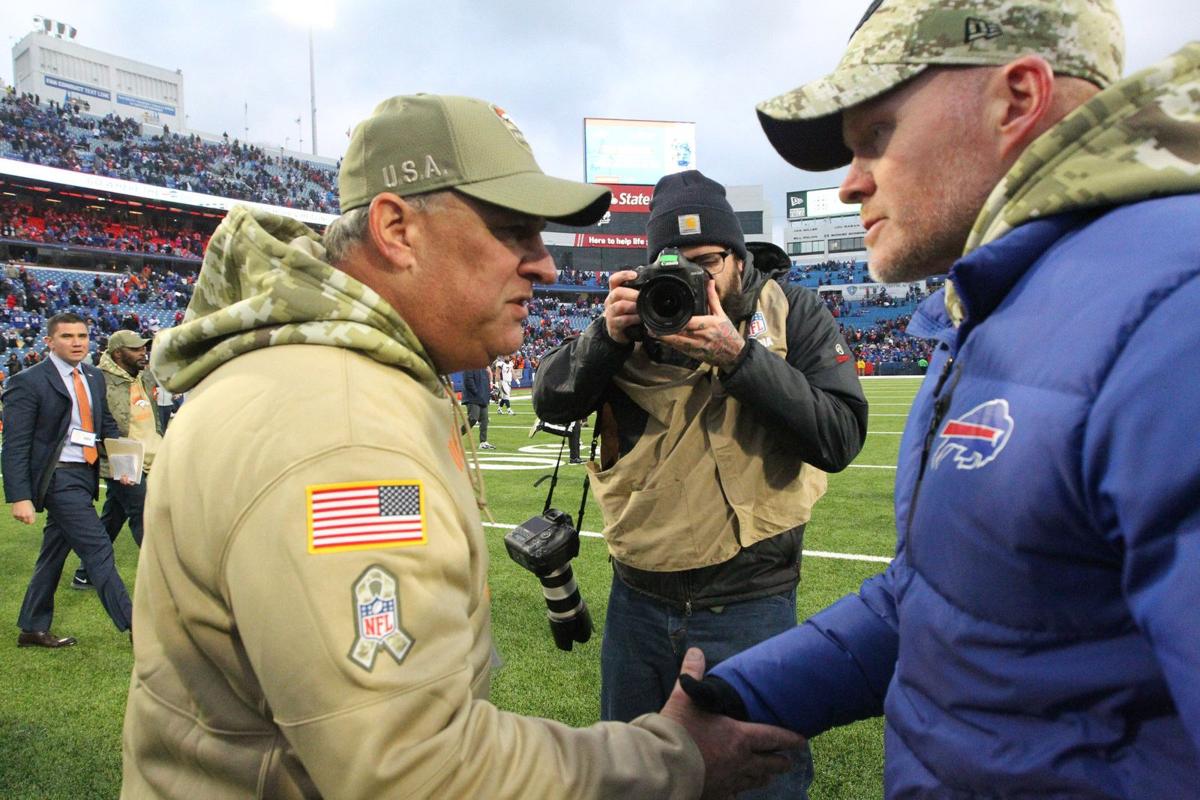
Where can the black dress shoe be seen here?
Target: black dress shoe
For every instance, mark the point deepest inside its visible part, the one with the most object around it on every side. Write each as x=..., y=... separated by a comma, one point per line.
x=43, y=639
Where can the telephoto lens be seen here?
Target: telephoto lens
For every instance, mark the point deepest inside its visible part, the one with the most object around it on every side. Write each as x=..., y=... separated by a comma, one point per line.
x=545, y=545
x=570, y=620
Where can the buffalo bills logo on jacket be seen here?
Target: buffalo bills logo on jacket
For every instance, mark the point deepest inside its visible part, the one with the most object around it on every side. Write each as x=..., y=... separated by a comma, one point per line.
x=975, y=438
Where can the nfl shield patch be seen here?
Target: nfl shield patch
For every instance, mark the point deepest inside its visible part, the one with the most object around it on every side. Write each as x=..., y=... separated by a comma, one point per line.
x=377, y=613
x=758, y=325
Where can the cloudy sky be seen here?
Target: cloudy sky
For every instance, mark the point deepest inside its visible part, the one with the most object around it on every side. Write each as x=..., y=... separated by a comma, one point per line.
x=550, y=64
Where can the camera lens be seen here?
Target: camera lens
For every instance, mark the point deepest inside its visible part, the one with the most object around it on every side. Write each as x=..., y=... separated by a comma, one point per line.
x=665, y=304
x=570, y=620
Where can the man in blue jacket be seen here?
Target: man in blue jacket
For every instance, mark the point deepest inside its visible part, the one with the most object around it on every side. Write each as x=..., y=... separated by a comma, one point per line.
x=476, y=396
x=1037, y=632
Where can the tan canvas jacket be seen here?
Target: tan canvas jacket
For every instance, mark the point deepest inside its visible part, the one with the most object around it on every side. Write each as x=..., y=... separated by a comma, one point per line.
x=728, y=482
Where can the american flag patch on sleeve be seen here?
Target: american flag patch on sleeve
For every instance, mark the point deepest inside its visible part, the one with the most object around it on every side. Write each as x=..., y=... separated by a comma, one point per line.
x=365, y=515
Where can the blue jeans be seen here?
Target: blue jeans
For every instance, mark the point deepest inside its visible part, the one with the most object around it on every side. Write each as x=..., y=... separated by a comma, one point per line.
x=644, y=643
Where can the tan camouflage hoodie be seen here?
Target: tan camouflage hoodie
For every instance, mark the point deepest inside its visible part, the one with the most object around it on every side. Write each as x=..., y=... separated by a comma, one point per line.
x=259, y=670
x=264, y=283
x=1135, y=140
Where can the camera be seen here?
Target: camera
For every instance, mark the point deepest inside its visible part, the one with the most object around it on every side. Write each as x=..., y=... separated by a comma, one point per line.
x=671, y=291
x=545, y=545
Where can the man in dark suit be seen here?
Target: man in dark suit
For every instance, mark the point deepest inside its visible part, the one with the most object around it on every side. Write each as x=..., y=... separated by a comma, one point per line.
x=54, y=419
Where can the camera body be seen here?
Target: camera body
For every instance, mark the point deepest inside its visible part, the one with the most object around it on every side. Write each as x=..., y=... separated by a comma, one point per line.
x=545, y=545
x=671, y=291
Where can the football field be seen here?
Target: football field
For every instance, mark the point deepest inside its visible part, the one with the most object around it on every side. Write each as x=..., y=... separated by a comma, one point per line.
x=61, y=711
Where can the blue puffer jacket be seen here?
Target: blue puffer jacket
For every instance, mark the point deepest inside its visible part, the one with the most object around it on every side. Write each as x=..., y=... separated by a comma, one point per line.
x=1038, y=633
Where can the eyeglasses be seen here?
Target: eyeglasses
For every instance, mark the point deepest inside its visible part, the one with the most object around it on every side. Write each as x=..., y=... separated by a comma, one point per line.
x=712, y=263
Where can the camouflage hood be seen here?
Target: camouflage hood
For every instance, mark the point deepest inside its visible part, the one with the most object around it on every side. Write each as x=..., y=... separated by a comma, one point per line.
x=114, y=369
x=1138, y=139
x=264, y=283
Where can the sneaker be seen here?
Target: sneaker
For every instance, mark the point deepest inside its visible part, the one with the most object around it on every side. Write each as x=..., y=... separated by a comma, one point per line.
x=81, y=583
x=575, y=461
x=486, y=446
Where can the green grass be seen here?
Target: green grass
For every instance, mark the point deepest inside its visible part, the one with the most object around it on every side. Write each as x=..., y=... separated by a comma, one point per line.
x=61, y=711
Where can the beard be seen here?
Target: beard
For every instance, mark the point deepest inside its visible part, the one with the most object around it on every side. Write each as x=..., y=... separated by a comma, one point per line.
x=738, y=305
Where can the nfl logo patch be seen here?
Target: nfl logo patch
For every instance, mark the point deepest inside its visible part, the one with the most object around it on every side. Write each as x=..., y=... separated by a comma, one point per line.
x=758, y=325
x=377, y=619
x=377, y=612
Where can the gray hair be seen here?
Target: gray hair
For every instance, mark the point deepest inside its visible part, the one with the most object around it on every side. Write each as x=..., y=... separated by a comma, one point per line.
x=350, y=229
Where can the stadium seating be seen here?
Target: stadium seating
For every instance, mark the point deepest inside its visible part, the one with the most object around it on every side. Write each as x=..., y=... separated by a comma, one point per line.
x=67, y=137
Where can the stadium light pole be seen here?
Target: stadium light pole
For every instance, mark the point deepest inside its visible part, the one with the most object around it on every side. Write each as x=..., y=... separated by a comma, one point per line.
x=312, y=14
x=312, y=88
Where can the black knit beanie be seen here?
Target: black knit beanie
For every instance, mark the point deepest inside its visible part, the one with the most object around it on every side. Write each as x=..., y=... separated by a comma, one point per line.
x=688, y=208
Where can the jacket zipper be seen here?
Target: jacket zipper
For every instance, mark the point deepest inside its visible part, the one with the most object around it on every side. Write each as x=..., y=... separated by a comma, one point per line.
x=941, y=404
x=687, y=592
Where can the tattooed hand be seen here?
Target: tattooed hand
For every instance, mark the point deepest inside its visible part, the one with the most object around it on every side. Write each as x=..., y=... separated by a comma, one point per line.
x=712, y=339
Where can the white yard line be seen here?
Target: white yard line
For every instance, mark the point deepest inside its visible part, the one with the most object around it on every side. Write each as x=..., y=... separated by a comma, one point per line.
x=813, y=553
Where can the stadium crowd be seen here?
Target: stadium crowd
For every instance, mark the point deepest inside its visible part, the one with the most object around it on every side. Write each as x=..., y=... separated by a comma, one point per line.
x=150, y=300
x=44, y=224
x=145, y=302
x=67, y=137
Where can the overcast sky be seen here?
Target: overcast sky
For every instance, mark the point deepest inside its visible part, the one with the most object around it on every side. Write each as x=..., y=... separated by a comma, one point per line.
x=550, y=64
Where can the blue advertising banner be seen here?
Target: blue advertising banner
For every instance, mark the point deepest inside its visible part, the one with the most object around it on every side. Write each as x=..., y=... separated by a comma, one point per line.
x=148, y=105
x=78, y=88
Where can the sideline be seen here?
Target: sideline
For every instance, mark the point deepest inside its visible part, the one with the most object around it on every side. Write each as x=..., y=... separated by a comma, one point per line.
x=813, y=553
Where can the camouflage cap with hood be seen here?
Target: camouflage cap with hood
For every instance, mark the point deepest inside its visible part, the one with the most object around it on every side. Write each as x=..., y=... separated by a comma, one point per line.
x=1137, y=138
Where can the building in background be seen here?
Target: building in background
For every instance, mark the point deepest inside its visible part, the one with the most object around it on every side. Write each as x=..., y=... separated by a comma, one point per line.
x=820, y=228
x=65, y=71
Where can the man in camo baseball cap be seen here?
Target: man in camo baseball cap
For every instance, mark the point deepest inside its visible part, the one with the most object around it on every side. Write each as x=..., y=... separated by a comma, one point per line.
x=897, y=40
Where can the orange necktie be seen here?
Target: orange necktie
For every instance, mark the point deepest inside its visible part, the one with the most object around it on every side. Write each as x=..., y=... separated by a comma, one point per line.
x=85, y=414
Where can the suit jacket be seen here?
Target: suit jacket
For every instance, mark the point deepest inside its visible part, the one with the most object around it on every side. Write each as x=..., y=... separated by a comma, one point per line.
x=37, y=416
x=477, y=387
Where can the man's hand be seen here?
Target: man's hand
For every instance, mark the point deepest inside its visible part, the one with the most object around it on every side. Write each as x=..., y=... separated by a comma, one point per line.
x=620, y=307
x=125, y=480
x=737, y=755
x=712, y=339
x=22, y=511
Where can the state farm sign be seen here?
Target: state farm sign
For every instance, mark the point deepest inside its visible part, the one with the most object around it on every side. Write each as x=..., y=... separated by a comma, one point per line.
x=630, y=199
x=592, y=240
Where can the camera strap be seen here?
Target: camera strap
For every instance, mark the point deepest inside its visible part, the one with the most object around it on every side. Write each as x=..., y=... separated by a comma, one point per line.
x=554, y=478
x=586, y=482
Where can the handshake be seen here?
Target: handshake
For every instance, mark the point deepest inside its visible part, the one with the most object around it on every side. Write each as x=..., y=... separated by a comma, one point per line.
x=738, y=755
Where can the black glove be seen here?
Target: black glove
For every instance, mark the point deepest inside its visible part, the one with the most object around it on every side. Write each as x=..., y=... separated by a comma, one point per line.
x=715, y=695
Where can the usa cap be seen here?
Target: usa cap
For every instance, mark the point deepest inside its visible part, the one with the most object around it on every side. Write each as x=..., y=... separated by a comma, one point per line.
x=896, y=40
x=425, y=143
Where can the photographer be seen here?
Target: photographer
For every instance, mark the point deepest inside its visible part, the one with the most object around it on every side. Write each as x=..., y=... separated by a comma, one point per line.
x=714, y=444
